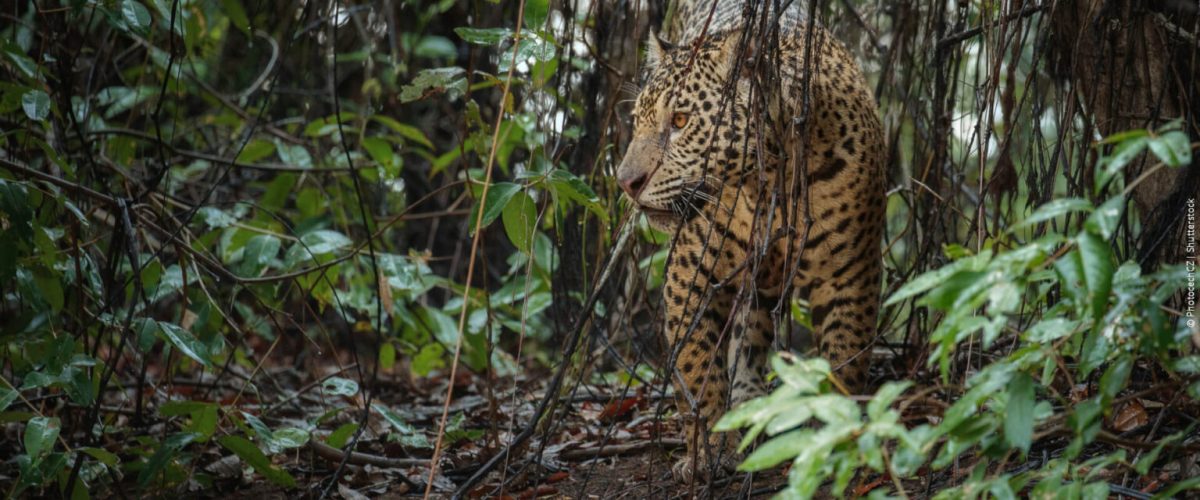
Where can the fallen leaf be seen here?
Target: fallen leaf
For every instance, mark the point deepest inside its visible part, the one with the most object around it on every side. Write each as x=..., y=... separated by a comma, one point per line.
x=540, y=491
x=619, y=409
x=350, y=493
x=226, y=467
x=1129, y=416
x=1079, y=393
x=866, y=488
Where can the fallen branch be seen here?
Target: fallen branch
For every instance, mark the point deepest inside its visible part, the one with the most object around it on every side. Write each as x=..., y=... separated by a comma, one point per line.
x=359, y=458
x=614, y=450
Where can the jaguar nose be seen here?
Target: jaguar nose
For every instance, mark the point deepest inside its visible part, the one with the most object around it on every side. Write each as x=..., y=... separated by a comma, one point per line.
x=633, y=183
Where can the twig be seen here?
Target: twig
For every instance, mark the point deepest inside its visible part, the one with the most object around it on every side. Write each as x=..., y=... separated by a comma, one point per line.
x=475, y=239
x=620, y=449
x=359, y=458
x=955, y=38
x=262, y=77
x=1174, y=29
x=196, y=155
x=307, y=388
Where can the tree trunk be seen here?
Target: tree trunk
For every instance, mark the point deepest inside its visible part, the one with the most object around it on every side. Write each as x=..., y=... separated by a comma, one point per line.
x=1134, y=65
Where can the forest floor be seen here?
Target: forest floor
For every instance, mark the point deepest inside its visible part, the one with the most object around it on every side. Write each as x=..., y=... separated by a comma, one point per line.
x=605, y=440
x=609, y=438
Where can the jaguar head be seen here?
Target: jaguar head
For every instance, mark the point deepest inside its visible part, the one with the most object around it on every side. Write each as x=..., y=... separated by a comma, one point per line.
x=689, y=130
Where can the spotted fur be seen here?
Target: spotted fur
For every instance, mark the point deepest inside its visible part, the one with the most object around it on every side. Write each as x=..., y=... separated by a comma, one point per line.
x=725, y=185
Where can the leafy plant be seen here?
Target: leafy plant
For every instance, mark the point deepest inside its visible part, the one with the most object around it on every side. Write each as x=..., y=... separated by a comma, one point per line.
x=1064, y=372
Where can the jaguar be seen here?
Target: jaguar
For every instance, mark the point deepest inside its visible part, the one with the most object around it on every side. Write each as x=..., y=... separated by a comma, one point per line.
x=761, y=152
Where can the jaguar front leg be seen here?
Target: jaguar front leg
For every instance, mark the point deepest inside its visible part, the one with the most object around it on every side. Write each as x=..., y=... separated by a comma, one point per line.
x=748, y=351
x=700, y=293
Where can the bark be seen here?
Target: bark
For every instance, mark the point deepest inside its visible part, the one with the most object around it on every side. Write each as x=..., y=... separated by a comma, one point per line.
x=1134, y=64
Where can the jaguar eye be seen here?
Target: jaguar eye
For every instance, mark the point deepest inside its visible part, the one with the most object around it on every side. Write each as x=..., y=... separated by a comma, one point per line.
x=679, y=120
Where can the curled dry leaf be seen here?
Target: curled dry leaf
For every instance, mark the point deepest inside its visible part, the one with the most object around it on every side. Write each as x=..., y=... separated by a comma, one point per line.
x=1130, y=416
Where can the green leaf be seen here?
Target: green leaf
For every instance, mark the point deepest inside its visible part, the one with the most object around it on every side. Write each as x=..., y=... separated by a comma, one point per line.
x=294, y=155
x=408, y=132
x=435, y=47
x=1050, y=329
x=435, y=81
x=319, y=242
x=1123, y=153
x=257, y=255
x=884, y=398
x=409, y=435
x=327, y=125
x=278, y=440
x=311, y=202
x=1097, y=264
x=1188, y=364
x=1143, y=464
x=103, y=456
x=237, y=15
x=936, y=278
x=260, y=428
x=380, y=151
x=1018, y=415
x=279, y=192
x=36, y=104
x=429, y=358
x=7, y=396
x=1115, y=378
x=536, y=12
x=135, y=15
x=338, y=386
x=215, y=218
x=439, y=324
x=483, y=36
x=50, y=287
x=250, y=454
x=177, y=408
x=776, y=450
x=387, y=356
x=185, y=342
x=951, y=292
x=530, y=47
x=1085, y=420
x=121, y=99
x=288, y=438
x=803, y=375
x=498, y=197
x=564, y=184
x=339, y=437
x=40, y=433
x=23, y=62
x=520, y=221
x=1094, y=351
x=1054, y=209
x=1192, y=483
x=1173, y=148
x=1125, y=136
x=255, y=150
x=1104, y=220
x=163, y=455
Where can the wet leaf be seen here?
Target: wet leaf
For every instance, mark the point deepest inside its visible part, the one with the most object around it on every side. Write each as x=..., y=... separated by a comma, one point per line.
x=36, y=105
x=255, y=458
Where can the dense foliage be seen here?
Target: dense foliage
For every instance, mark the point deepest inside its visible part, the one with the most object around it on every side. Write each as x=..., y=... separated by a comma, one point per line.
x=232, y=233
x=1103, y=336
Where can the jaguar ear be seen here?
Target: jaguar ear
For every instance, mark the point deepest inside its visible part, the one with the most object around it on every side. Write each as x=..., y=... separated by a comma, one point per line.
x=736, y=52
x=656, y=50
